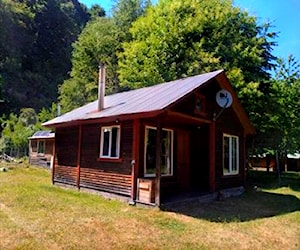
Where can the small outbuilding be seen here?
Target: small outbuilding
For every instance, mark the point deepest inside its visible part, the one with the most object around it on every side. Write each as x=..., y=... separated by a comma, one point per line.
x=156, y=142
x=293, y=162
x=41, y=148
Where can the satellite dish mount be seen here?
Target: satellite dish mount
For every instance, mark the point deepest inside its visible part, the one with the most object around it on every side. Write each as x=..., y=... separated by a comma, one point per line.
x=224, y=100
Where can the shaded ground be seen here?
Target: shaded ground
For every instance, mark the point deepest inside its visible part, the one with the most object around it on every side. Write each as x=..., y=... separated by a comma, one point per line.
x=259, y=201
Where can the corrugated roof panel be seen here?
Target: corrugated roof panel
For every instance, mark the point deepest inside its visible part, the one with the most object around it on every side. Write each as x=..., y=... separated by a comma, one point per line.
x=42, y=135
x=146, y=99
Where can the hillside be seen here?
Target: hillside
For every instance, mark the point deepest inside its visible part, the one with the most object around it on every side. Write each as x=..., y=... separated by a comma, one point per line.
x=35, y=49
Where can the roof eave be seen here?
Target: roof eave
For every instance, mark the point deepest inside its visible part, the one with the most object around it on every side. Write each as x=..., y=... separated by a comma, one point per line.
x=120, y=117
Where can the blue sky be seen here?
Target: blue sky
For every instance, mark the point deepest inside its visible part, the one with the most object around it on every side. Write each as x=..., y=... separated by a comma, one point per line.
x=283, y=14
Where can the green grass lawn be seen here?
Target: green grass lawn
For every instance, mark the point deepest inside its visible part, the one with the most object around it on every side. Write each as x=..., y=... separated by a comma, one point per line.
x=36, y=215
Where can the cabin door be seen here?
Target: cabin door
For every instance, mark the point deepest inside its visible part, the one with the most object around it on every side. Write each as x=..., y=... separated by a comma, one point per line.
x=183, y=161
x=199, y=156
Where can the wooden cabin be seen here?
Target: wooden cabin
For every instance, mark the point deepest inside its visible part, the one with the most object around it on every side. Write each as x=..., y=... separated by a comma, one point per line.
x=293, y=162
x=152, y=143
x=41, y=146
x=261, y=162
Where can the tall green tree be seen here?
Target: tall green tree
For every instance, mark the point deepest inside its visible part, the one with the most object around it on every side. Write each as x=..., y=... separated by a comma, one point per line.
x=279, y=127
x=97, y=43
x=100, y=41
x=177, y=38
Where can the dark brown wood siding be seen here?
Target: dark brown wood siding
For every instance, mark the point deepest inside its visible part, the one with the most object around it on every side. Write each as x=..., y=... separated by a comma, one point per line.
x=101, y=174
x=66, y=144
x=95, y=173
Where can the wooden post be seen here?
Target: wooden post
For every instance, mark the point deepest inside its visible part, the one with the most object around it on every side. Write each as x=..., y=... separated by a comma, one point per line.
x=79, y=156
x=242, y=171
x=212, y=156
x=29, y=153
x=53, y=160
x=135, y=157
x=158, y=164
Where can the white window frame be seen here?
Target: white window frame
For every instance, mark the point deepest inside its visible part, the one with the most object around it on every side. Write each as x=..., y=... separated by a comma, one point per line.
x=230, y=155
x=110, y=142
x=145, y=152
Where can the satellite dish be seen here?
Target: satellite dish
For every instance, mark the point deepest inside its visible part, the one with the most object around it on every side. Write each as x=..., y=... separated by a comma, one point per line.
x=224, y=98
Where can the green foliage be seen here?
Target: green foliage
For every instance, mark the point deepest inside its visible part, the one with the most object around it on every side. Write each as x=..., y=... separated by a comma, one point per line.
x=181, y=38
x=279, y=123
x=48, y=114
x=96, y=11
x=99, y=42
x=35, y=49
x=17, y=130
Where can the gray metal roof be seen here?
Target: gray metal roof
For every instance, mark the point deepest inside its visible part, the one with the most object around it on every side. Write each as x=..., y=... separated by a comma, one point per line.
x=42, y=135
x=141, y=100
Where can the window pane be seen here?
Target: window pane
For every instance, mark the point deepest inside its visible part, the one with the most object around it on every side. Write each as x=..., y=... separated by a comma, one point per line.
x=105, y=147
x=226, y=155
x=41, y=147
x=234, y=154
x=166, y=152
x=231, y=154
x=150, y=151
x=114, y=142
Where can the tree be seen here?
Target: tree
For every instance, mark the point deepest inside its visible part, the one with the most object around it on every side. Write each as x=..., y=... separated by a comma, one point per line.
x=97, y=43
x=16, y=130
x=125, y=12
x=186, y=37
x=96, y=11
x=48, y=114
x=279, y=126
x=100, y=42
x=35, y=49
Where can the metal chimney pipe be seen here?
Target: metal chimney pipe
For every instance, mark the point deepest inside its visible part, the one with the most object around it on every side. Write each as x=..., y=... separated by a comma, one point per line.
x=101, y=87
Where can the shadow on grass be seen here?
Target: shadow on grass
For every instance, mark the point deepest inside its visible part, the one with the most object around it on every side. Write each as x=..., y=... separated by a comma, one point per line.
x=253, y=204
x=270, y=180
x=250, y=206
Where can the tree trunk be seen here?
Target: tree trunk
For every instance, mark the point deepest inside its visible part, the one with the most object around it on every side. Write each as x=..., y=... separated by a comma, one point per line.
x=278, y=168
x=268, y=161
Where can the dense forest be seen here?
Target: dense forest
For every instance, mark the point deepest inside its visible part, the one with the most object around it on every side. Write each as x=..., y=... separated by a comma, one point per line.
x=50, y=51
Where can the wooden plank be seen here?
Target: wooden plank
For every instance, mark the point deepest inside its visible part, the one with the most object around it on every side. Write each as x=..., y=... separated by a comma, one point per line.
x=145, y=191
x=243, y=160
x=54, y=161
x=106, y=181
x=158, y=163
x=65, y=174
